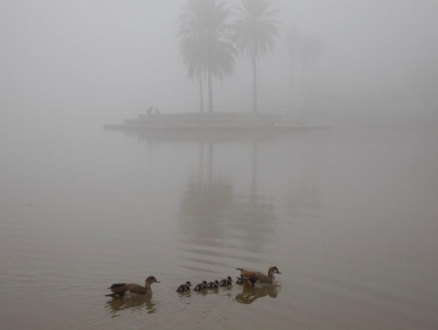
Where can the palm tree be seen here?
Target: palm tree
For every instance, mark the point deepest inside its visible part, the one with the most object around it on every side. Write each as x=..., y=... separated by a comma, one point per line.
x=206, y=44
x=255, y=31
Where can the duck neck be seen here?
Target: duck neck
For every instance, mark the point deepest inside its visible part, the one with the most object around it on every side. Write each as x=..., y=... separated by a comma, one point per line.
x=147, y=285
x=271, y=274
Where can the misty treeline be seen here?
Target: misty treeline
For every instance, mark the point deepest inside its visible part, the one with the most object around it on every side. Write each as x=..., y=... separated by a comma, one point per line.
x=212, y=35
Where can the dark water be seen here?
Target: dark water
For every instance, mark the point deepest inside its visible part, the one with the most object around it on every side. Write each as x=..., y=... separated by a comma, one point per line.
x=349, y=216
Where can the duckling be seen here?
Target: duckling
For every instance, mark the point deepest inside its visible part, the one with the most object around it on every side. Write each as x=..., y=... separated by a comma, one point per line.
x=213, y=285
x=257, y=277
x=201, y=287
x=226, y=282
x=132, y=290
x=184, y=287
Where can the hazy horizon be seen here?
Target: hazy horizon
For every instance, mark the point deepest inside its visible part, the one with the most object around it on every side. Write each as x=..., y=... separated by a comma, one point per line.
x=109, y=60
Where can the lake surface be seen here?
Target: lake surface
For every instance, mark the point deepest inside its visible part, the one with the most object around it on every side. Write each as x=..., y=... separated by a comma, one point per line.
x=349, y=216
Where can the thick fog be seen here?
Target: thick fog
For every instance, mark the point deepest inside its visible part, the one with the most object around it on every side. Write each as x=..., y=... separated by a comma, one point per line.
x=106, y=60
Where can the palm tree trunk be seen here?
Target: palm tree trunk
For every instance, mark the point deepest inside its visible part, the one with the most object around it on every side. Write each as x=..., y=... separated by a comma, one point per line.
x=210, y=92
x=201, y=95
x=254, y=82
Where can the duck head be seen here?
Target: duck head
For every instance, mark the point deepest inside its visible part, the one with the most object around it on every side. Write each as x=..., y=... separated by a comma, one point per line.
x=151, y=279
x=273, y=270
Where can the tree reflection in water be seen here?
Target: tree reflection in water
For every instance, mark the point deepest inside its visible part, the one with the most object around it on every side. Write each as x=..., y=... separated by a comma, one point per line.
x=117, y=305
x=212, y=215
x=253, y=216
x=250, y=294
x=204, y=202
x=305, y=197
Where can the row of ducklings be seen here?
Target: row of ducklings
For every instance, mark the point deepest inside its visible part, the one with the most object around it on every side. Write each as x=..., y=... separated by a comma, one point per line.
x=226, y=282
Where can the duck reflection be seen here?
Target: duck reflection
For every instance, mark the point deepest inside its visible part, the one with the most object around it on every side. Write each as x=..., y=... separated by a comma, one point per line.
x=250, y=294
x=116, y=305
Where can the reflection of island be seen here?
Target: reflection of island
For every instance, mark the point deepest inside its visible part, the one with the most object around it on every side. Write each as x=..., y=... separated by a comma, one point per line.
x=116, y=305
x=250, y=294
x=305, y=196
x=203, y=205
x=253, y=214
x=212, y=217
x=305, y=199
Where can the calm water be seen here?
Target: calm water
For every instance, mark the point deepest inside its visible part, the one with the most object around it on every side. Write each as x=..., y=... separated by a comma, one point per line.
x=350, y=217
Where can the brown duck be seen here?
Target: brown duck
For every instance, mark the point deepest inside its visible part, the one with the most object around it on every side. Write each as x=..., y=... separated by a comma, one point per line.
x=257, y=277
x=132, y=290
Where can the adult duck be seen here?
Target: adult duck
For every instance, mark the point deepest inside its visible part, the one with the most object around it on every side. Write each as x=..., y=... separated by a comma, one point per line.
x=258, y=277
x=132, y=290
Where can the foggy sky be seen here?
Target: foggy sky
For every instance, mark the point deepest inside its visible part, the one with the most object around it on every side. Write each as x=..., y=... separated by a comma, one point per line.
x=108, y=60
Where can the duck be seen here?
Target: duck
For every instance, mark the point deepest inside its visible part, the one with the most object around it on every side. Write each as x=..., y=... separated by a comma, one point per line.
x=258, y=277
x=226, y=282
x=213, y=285
x=132, y=290
x=184, y=287
x=201, y=286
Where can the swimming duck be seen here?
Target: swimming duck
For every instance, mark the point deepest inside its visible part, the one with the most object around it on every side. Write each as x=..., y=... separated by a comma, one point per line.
x=213, y=285
x=184, y=287
x=257, y=277
x=201, y=287
x=226, y=282
x=132, y=290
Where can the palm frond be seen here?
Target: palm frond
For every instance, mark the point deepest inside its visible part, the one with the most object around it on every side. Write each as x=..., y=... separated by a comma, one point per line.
x=205, y=40
x=255, y=29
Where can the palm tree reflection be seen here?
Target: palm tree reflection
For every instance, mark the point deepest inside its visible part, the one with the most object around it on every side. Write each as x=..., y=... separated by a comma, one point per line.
x=211, y=214
x=305, y=198
x=204, y=202
x=254, y=213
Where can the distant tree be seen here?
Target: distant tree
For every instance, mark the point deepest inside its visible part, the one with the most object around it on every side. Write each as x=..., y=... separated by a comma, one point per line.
x=255, y=30
x=206, y=42
x=293, y=45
